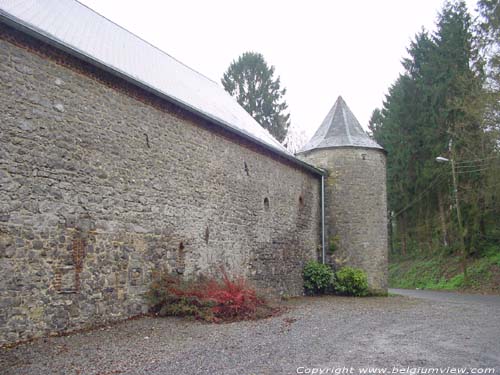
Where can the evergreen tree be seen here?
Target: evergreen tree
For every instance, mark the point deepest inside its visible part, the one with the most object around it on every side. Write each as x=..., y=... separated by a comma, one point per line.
x=488, y=35
x=463, y=110
x=488, y=40
x=375, y=121
x=251, y=81
x=436, y=109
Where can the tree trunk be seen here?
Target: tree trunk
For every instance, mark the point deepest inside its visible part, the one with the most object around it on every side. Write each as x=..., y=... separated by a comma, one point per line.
x=403, y=235
x=442, y=219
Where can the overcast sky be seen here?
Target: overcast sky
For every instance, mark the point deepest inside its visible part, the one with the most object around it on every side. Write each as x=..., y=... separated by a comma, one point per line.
x=320, y=49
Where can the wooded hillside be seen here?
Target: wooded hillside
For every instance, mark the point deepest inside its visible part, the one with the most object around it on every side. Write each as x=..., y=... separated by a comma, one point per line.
x=446, y=104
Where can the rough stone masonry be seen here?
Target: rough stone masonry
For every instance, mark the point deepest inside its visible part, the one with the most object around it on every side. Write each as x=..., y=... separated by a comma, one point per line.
x=100, y=183
x=356, y=209
x=117, y=160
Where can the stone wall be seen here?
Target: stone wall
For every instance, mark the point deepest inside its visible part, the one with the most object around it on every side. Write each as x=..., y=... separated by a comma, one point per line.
x=100, y=183
x=356, y=209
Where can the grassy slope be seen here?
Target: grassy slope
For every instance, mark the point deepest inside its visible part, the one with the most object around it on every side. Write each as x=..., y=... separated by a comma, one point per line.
x=444, y=272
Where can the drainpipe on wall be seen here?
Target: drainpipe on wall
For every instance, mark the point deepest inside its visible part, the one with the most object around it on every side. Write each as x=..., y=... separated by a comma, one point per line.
x=323, y=219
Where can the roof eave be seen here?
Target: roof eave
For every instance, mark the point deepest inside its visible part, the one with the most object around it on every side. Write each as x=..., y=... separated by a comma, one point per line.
x=343, y=146
x=44, y=37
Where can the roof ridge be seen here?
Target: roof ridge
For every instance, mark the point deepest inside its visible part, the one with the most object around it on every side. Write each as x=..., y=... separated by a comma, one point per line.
x=348, y=132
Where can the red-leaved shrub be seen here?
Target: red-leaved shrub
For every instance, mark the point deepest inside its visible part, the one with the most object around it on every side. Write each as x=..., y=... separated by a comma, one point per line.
x=211, y=299
x=232, y=298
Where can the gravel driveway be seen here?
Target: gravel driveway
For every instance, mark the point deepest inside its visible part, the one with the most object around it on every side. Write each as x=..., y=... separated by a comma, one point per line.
x=441, y=296
x=327, y=333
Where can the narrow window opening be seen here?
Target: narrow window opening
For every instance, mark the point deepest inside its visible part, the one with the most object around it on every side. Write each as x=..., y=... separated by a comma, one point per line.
x=301, y=200
x=181, y=261
x=247, y=171
x=266, y=204
x=207, y=235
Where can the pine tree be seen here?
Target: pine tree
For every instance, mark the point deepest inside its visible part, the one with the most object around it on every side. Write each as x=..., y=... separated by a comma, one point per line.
x=463, y=111
x=375, y=121
x=488, y=40
x=434, y=104
x=251, y=81
x=488, y=36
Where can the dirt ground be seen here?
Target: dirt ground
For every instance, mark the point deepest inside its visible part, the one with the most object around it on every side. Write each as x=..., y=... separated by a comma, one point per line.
x=330, y=334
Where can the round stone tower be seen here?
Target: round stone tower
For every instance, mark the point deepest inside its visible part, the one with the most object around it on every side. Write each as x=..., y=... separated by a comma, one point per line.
x=355, y=194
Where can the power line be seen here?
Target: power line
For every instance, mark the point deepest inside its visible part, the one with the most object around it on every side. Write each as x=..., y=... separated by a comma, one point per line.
x=420, y=196
x=478, y=169
x=476, y=188
x=462, y=167
x=473, y=170
x=477, y=160
x=478, y=165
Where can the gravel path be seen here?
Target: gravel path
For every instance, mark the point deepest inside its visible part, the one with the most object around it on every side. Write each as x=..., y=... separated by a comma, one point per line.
x=438, y=295
x=328, y=333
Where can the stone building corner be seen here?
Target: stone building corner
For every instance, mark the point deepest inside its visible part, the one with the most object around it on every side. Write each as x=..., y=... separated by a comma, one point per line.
x=355, y=194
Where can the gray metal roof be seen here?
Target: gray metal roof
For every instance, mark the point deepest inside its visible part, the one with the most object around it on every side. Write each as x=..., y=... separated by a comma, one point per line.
x=77, y=29
x=340, y=128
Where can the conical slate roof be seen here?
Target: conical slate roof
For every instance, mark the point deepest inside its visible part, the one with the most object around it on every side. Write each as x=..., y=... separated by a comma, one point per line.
x=340, y=129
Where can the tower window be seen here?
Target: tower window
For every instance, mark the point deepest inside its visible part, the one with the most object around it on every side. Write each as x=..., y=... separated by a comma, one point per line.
x=266, y=203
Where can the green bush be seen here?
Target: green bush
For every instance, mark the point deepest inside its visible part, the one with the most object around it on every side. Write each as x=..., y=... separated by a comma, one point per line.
x=318, y=277
x=351, y=282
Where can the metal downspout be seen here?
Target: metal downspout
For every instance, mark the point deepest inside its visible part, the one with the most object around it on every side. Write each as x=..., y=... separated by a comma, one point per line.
x=323, y=219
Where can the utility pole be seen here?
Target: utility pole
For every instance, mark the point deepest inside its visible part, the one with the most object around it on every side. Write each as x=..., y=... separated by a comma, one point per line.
x=440, y=159
x=459, y=218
